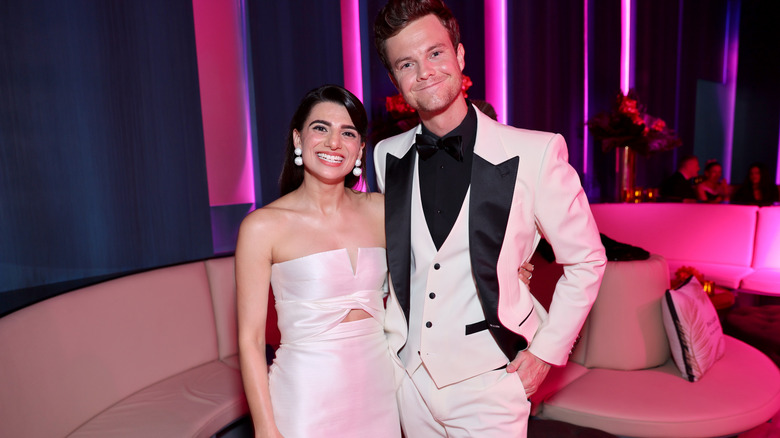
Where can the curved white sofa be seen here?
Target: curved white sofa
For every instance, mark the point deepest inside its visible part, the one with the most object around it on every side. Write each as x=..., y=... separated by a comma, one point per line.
x=149, y=354
x=621, y=379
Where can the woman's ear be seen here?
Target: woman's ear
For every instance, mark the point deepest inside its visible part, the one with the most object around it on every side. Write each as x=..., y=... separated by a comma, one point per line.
x=296, y=138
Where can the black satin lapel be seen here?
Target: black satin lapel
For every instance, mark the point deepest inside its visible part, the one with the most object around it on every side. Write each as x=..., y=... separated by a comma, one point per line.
x=398, y=223
x=492, y=189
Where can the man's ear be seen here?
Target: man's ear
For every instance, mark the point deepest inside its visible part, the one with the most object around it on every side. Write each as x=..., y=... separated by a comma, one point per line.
x=461, y=55
x=392, y=79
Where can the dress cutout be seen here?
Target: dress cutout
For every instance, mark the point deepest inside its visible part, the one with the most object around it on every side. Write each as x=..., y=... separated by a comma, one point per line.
x=332, y=379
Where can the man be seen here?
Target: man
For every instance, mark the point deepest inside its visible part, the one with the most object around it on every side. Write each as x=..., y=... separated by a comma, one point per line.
x=680, y=186
x=459, y=224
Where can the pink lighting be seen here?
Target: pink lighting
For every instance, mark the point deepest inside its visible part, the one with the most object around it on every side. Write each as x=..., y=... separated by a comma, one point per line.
x=350, y=43
x=730, y=62
x=496, y=57
x=625, y=46
x=224, y=98
x=585, y=113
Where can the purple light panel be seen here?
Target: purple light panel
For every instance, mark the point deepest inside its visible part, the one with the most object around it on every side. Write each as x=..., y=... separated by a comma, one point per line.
x=350, y=43
x=496, y=57
x=625, y=46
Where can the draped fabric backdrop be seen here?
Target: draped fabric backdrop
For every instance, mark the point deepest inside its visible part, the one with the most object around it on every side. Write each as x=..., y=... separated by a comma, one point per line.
x=295, y=46
x=101, y=143
x=102, y=163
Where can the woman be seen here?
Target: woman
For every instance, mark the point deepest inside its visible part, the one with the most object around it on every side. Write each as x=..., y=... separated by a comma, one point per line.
x=757, y=189
x=322, y=248
x=713, y=189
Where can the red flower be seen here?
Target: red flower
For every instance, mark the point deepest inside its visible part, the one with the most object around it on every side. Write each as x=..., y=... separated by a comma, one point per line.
x=628, y=125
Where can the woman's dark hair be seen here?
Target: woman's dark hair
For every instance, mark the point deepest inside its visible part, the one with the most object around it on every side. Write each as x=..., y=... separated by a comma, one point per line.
x=397, y=14
x=292, y=175
x=710, y=164
x=767, y=187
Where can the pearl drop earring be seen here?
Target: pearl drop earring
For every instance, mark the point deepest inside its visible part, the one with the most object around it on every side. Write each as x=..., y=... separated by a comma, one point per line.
x=357, y=171
x=298, y=160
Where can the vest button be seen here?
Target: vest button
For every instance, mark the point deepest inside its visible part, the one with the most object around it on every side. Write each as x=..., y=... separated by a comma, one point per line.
x=429, y=324
x=432, y=295
x=436, y=266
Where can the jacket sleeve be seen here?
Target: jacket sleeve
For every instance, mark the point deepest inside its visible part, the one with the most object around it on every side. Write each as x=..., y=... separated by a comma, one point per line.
x=379, y=166
x=563, y=215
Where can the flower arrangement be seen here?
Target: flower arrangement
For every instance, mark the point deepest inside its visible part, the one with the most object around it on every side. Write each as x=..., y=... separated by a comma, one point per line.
x=628, y=125
x=401, y=117
x=684, y=272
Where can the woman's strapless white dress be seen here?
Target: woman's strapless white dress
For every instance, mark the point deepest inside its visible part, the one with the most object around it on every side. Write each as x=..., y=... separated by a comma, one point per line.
x=332, y=379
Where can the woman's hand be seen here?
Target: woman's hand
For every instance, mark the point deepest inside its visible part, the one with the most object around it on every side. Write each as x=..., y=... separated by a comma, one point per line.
x=525, y=272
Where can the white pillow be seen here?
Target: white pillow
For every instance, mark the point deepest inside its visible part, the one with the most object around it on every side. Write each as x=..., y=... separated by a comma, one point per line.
x=693, y=328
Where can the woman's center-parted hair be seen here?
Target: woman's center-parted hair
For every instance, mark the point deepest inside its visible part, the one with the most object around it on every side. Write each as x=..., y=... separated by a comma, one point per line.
x=292, y=175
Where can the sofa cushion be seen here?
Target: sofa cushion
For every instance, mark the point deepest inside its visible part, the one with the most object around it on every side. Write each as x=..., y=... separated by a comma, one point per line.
x=723, y=275
x=624, y=330
x=195, y=403
x=767, y=249
x=742, y=390
x=718, y=234
x=69, y=357
x=693, y=328
x=764, y=281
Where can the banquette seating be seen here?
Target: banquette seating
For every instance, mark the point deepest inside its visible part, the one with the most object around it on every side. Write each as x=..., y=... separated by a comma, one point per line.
x=145, y=355
x=736, y=246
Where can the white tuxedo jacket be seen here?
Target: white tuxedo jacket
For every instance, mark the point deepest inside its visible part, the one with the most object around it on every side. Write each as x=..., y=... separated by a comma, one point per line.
x=522, y=187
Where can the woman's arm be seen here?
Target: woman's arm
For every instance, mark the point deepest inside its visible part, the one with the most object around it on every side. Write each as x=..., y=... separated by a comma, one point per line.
x=253, y=281
x=700, y=192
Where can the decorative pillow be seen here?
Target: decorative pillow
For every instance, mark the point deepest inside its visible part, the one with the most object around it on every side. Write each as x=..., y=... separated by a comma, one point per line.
x=693, y=328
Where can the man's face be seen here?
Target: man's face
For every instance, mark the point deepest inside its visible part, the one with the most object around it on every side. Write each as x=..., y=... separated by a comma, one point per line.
x=425, y=67
x=692, y=167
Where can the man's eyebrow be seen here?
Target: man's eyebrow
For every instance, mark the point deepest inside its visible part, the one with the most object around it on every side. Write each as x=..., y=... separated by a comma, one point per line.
x=431, y=48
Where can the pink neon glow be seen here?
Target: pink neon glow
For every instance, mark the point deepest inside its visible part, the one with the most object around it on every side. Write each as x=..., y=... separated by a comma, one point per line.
x=730, y=62
x=777, y=173
x=625, y=45
x=585, y=87
x=224, y=102
x=496, y=57
x=350, y=43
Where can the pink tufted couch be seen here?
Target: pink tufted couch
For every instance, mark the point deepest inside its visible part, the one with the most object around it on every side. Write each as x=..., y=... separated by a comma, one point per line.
x=735, y=246
x=149, y=354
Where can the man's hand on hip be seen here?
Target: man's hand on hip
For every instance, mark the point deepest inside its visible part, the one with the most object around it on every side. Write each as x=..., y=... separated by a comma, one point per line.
x=531, y=370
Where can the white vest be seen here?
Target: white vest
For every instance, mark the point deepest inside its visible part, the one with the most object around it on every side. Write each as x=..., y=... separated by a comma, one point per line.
x=443, y=301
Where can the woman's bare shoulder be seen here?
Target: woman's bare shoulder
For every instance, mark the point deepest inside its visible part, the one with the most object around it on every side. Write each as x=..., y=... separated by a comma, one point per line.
x=275, y=217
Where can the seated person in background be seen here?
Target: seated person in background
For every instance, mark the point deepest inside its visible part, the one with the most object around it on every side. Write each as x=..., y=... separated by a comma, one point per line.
x=713, y=189
x=486, y=108
x=758, y=188
x=679, y=186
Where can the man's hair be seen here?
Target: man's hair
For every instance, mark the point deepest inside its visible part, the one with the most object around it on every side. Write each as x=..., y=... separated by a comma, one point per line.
x=685, y=161
x=397, y=14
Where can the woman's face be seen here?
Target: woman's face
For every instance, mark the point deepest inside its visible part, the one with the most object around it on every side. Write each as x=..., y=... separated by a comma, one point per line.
x=329, y=141
x=715, y=173
x=755, y=175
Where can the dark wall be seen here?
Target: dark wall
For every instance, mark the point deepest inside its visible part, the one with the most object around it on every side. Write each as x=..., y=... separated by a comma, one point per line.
x=101, y=143
x=295, y=46
x=757, y=121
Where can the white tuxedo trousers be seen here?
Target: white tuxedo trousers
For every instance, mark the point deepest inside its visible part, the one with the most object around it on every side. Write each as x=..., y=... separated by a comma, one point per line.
x=489, y=405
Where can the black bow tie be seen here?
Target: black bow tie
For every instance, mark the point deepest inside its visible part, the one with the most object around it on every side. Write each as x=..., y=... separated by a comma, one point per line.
x=427, y=146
